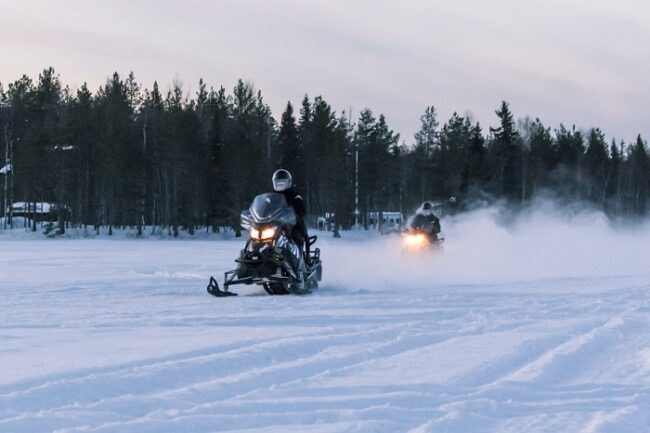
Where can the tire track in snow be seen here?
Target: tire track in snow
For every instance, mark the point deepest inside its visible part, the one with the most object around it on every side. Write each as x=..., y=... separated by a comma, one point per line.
x=399, y=345
x=191, y=383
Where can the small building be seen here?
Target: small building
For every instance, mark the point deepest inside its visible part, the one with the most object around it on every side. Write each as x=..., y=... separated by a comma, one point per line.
x=40, y=211
x=386, y=221
x=388, y=217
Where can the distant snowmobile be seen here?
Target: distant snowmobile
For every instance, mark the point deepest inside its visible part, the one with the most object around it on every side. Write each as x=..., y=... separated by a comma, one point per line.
x=421, y=231
x=270, y=258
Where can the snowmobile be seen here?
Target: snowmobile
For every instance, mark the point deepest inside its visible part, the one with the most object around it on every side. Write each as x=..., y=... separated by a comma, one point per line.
x=270, y=258
x=415, y=241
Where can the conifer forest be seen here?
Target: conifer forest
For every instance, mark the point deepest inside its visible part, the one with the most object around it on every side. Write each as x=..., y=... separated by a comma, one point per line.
x=128, y=156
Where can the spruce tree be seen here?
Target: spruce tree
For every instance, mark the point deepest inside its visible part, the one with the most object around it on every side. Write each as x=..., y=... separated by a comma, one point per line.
x=477, y=168
x=614, y=186
x=323, y=126
x=597, y=175
x=218, y=184
x=507, y=153
x=426, y=142
x=116, y=141
x=289, y=144
x=364, y=142
x=639, y=178
x=452, y=155
x=543, y=156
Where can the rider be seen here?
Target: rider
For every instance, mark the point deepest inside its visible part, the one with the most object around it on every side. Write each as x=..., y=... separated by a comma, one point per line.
x=282, y=183
x=425, y=220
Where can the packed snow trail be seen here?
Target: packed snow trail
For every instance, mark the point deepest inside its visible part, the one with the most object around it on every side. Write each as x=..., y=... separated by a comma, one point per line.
x=120, y=336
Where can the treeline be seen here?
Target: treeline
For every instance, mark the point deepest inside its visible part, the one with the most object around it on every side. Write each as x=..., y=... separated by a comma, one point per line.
x=129, y=156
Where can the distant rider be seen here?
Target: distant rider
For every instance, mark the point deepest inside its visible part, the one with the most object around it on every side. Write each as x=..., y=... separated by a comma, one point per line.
x=282, y=183
x=424, y=220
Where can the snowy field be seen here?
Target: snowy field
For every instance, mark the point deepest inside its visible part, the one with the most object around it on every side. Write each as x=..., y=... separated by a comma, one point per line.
x=541, y=328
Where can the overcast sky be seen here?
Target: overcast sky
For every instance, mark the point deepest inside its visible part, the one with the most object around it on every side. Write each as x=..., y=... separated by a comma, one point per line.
x=574, y=61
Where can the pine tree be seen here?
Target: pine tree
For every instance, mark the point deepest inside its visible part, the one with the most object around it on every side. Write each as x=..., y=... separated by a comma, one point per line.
x=427, y=137
x=246, y=165
x=115, y=142
x=20, y=96
x=289, y=144
x=639, y=178
x=507, y=153
x=217, y=182
x=342, y=175
x=426, y=141
x=597, y=175
x=571, y=149
x=322, y=129
x=477, y=169
x=543, y=156
x=614, y=186
x=43, y=145
x=452, y=154
x=80, y=137
x=386, y=146
x=305, y=134
x=153, y=145
x=364, y=138
x=338, y=173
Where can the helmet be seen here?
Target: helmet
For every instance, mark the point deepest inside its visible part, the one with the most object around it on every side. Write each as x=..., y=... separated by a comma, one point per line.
x=426, y=208
x=281, y=180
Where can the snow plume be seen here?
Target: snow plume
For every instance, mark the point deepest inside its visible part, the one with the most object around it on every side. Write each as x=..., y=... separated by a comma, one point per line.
x=493, y=245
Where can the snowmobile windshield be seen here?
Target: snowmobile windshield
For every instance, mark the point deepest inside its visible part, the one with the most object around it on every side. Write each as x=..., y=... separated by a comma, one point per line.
x=271, y=207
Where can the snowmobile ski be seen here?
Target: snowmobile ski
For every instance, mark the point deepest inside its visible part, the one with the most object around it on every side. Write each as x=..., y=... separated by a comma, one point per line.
x=214, y=290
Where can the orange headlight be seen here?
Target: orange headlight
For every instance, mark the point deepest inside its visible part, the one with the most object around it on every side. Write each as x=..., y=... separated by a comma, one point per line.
x=415, y=240
x=268, y=233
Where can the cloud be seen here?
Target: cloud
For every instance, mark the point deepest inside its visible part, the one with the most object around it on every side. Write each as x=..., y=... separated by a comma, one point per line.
x=574, y=61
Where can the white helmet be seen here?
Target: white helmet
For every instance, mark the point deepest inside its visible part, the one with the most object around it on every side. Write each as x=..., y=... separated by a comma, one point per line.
x=281, y=180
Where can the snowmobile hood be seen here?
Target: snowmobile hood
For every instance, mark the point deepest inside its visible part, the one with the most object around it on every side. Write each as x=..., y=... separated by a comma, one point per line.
x=270, y=207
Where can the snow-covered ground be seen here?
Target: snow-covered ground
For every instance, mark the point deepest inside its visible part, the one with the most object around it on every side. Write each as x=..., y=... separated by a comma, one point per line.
x=541, y=328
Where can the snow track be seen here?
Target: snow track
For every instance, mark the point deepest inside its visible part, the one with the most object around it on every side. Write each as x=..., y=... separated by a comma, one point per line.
x=120, y=336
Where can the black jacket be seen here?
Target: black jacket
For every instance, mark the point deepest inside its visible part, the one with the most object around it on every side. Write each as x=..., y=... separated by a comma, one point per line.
x=429, y=223
x=295, y=200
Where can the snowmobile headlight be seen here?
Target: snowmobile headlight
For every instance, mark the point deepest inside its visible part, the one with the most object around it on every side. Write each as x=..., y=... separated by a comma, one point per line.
x=415, y=239
x=254, y=233
x=268, y=233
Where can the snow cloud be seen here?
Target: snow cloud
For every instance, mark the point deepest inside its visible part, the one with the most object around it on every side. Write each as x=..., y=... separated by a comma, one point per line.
x=492, y=247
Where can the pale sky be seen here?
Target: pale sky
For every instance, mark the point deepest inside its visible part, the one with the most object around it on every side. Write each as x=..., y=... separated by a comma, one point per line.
x=583, y=62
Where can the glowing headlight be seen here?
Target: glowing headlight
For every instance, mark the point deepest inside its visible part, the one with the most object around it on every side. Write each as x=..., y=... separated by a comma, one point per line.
x=254, y=233
x=415, y=240
x=268, y=233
